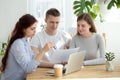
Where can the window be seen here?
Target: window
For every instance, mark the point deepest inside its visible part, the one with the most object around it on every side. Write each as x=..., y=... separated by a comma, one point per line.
x=39, y=7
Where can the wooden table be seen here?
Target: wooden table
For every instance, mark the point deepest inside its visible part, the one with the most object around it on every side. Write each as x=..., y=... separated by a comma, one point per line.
x=97, y=71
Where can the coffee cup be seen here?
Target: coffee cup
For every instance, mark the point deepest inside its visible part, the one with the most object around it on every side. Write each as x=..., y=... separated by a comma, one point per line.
x=58, y=68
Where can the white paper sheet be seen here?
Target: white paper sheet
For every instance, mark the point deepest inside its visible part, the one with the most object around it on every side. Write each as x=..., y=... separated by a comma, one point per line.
x=62, y=55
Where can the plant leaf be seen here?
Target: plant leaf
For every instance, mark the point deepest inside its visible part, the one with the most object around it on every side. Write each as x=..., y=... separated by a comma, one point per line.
x=118, y=4
x=93, y=15
x=76, y=2
x=96, y=8
x=76, y=7
x=111, y=4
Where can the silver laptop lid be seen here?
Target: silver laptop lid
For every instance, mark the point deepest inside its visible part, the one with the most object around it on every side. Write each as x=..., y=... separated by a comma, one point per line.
x=75, y=62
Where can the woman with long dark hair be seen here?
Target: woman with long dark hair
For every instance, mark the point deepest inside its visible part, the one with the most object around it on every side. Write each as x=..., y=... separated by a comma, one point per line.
x=19, y=58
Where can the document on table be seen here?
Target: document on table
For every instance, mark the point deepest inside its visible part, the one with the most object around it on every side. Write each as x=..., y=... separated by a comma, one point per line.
x=62, y=55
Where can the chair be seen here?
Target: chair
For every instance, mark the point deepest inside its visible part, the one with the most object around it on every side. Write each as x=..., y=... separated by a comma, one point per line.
x=104, y=36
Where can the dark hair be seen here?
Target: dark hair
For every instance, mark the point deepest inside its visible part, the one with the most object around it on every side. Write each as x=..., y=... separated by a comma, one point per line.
x=86, y=17
x=53, y=12
x=24, y=22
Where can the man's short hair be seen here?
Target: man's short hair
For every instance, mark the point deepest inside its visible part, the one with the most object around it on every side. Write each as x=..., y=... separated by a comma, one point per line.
x=53, y=12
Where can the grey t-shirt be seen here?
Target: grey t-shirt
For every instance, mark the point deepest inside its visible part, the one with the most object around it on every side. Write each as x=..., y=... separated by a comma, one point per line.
x=94, y=46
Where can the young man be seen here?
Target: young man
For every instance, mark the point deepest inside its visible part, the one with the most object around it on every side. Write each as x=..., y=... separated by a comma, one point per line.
x=59, y=39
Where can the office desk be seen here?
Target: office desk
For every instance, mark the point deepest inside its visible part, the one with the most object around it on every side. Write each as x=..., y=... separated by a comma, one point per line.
x=97, y=71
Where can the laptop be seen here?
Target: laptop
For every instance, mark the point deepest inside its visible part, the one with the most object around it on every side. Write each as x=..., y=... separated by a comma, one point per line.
x=75, y=63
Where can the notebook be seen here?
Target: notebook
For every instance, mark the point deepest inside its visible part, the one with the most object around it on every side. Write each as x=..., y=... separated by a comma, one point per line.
x=62, y=55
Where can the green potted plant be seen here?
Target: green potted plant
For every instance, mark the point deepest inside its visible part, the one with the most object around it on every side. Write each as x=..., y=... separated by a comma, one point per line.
x=3, y=46
x=2, y=49
x=109, y=58
x=87, y=6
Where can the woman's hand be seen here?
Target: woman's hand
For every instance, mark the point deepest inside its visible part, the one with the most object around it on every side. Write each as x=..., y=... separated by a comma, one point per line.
x=66, y=47
x=63, y=63
x=48, y=46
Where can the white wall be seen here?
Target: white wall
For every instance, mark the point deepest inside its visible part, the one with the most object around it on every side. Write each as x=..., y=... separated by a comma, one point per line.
x=10, y=11
x=68, y=14
x=112, y=30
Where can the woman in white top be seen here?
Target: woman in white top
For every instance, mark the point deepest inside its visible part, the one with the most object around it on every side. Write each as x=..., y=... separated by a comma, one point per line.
x=87, y=39
x=19, y=58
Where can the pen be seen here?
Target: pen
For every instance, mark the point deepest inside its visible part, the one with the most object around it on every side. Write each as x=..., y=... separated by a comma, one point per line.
x=54, y=47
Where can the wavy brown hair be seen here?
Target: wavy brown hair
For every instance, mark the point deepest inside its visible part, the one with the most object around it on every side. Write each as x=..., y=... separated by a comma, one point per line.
x=18, y=32
x=86, y=17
